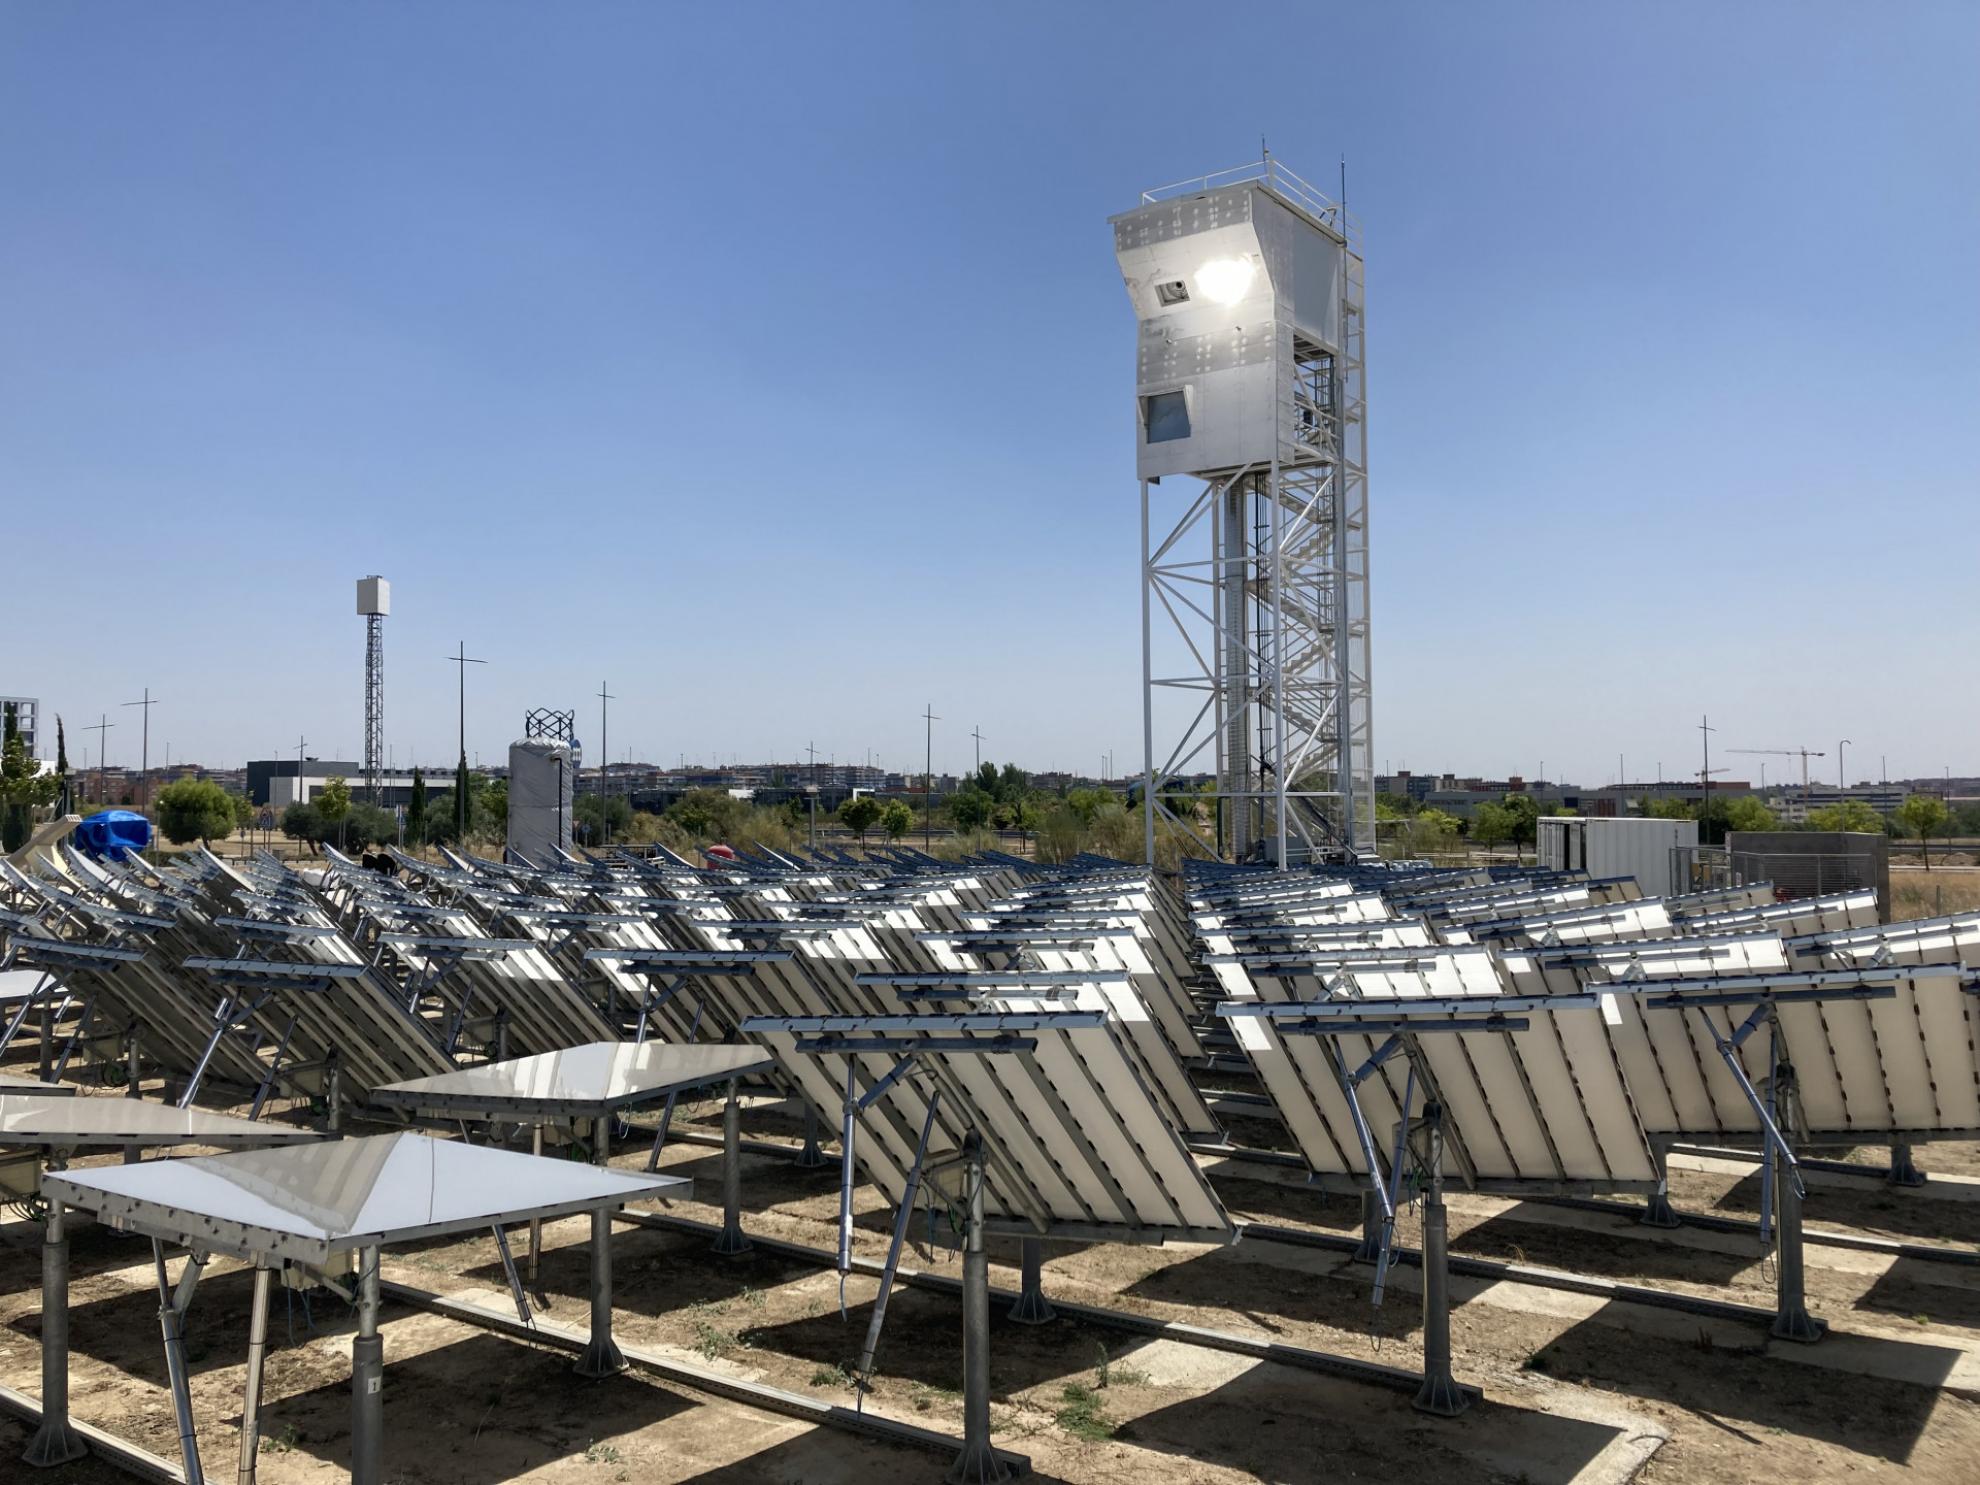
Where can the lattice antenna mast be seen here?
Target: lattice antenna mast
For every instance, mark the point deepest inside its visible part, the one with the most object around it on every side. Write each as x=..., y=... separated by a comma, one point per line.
x=374, y=602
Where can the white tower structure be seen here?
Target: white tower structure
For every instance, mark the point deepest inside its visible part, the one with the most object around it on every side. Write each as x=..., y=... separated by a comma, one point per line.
x=374, y=602
x=1248, y=287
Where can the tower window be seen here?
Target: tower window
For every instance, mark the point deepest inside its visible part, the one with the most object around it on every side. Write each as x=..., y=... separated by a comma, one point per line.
x=1173, y=292
x=1166, y=416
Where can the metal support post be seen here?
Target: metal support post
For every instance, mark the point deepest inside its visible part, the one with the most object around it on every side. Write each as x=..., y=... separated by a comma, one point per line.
x=132, y=1067
x=335, y=1094
x=45, y=1063
x=978, y=1463
x=1904, y=1172
x=602, y=1357
x=601, y=1140
x=55, y=1442
x=535, y=1223
x=1032, y=1307
x=368, y=1379
x=257, y=1353
x=1657, y=1210
x=1372, y=1222
x=810, y=1157
x=732, y=1241
x=1792, y=1322
x=171, y=1324
x=1440, y=1393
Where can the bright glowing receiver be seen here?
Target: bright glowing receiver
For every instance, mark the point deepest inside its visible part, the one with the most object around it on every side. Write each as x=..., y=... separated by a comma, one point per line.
x=1226, y=280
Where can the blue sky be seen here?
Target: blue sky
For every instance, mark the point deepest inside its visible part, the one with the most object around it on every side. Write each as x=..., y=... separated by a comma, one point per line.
x=771, y=363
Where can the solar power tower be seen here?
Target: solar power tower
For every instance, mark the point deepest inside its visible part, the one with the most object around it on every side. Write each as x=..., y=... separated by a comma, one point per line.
x=374, y=602
x=1249, y=382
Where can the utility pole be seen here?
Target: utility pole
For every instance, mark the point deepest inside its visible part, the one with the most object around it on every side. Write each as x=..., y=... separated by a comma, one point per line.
x=928, y=782
x=144, y=750
x=460, y=783
x=1842, y=779
x=978, y=735
x=302, y=796
x=605, y=700
x=102, y=731
x=1705, y=731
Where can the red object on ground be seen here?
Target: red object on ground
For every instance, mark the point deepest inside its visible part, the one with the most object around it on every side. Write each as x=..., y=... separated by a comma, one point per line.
x=720, y=853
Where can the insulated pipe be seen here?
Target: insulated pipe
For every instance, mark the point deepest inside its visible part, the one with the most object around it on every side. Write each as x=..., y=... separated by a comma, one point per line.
x=257, y=1353
x=1440, y=1393
x=55, y=1442
x=602, y=1357
x=978, y=1463
x=368, y=1379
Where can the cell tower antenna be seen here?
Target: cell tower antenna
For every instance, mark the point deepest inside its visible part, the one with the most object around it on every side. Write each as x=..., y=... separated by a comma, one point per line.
x=374, y=602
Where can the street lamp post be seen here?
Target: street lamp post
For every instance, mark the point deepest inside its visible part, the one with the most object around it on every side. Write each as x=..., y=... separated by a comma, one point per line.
x=928, y=782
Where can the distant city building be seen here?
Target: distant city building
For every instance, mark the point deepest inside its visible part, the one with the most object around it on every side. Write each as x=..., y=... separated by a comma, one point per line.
x=273, y=782
x=27, y=718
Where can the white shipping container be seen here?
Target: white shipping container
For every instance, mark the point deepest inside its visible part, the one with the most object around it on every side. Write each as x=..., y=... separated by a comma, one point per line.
x=1625, y=847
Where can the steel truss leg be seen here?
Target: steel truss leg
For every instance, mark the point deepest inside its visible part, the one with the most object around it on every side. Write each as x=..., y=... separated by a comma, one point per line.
x=732, y=1240
x=368, y=1379
x=251, y=1396
x=978, y=1463
x=602, y=1356
x=133, y=1068
x=1904, y=1172
x=1370, y=1250
x=810, y=1157
x=1032, y=1307
x=1440, y=1393
x=55, y=1442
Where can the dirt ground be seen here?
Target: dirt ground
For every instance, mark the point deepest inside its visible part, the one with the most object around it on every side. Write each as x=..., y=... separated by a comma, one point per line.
x=1566, y=1376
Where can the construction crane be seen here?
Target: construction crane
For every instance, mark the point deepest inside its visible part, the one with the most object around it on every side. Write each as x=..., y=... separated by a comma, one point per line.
x=1804, y=754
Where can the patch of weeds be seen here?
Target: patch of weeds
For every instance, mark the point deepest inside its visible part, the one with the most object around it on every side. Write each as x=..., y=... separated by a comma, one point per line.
x=754, y=1298
x=712, y=1342
x=596, y=1453
x=1921, y=1319
x=1081, y=1416
x=1108, y=1373
x=924, y=1397
x=282, y=1441
x=831, y=1376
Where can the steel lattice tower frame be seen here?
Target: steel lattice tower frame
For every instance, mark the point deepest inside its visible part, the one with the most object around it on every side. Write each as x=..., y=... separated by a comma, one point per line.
x=374, y=602
x=1260, y=573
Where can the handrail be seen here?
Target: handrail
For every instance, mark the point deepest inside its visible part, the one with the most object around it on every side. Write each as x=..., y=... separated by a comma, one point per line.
x=1274, y=177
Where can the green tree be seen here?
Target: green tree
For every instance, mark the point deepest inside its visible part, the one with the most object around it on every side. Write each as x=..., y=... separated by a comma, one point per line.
x=491, y=804
x=1491, y=825
x=1853, y=815
x=194, y=809
x=708, y=814
x=896, y=818
x=23, y=787
x=970, y=809
x=1669, y=809
x=1747, y=813
x=333, y=805
x=64, y=799
x=1431, y=830
x=860, y=814
x=1524, y=811
x=1013, y=784
x=416, y=810
x=369, y=825
x=302, y=822
x=1025, y=817
x=243, y=809
x=1923, y=815
x=603, y=816
x=1086, y=803
x=1398, y=806
x=463, y=798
